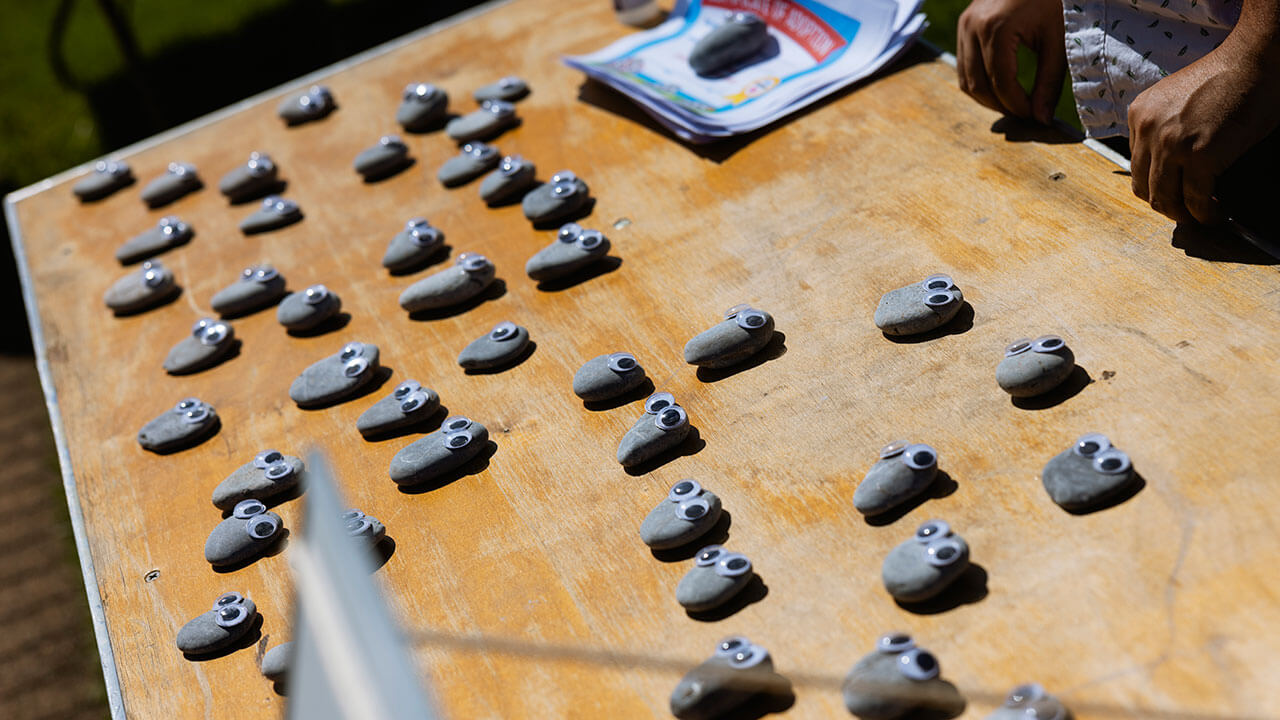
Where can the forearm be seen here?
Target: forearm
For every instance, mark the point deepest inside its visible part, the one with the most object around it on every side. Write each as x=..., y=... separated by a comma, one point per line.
x=1256, y=38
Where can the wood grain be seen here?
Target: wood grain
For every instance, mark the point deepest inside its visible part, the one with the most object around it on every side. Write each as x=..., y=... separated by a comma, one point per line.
x=525, y=585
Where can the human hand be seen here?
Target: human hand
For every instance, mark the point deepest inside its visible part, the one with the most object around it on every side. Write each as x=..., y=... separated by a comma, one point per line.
x=987, y=40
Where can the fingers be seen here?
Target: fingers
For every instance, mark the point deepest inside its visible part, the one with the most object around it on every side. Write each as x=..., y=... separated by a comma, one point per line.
x=1197, y=191
x=973, y=74
x=1051, y=69
x=1165, y=186
x=1000, y=55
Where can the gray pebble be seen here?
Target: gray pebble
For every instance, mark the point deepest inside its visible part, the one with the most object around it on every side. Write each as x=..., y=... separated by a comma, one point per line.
x=231, y=618
x=1088, y=474
x=169, y=233
x=412, y=246
x=145, y=288
x=573, y=249
x=492, y=118
x=249, y=531
x=509, y=88
x=1030, y=702
x=741, y=36
x=684, y=515
x=897, y=679
x=511, y=180
x=276, y=662
x=1034, y=367
x=208, y=343
x=457, y=441
x=275, y=212
x=107, y=177
x=258, y=176
x=307, y=308
x=313, y=104
x=187, y=423
x=904, y=471
x=925, y=565
x=269, y=474
x=608, y=376
x=336, y=377
x=475, y=159
x=716, y=576
x=470, y=275
x=663, y=426
x=258, y=286
x=738, y=672
x=743, y=333
x=409, y=403
x=421, y=106
x=563, y=196
x=496, y=348
x=919, y=307
x=384, y=159
x=178, y=179
x=363, y=527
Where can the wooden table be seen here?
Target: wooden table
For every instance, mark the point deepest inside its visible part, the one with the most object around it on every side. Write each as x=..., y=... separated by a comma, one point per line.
x=526, y=586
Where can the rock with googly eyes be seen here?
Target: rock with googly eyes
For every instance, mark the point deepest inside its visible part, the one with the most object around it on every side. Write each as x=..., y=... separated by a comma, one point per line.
x=422, y=105
x=743, y=333
x=107, y=177
x=510, y=181
x=493, y=117
x=365, y=528
x=684, y=515
x=1034, y=367
x=188, y=423
x=509, y=88
x=276, y=662
x=274, y=213
x=741, y=36
x=923, y=566
x=1030, y=701
x=205, y=346
x=169, y=233
x=308, y=308
x=386, y=158
x=336, y=377
x=608, y=376
x=151, y=285
x=497, y=348
x=1088, y=475
x=257, y=287
x=903, y=471
x=737, y=673
x=179, y=178
x=457, y=442
x=270, y=474
x=472, y=161
x=313, y=104
x=560, y=198
x=417, y=243
x=255, y=178
x=408, y=404
x=662, y=427
x=898, y=679
x=249, y=531
x=919, y=307
x=716, y=577
x=573, y=249
x=469, y=276
x=232, y=617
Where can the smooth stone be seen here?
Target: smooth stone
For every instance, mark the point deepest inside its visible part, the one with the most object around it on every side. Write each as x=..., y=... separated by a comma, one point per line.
x=728, y=343
x=107, y=177
x=598, y=379
x=250, y=482
x=910, y=577
x=154, y=241
x=173, y=429
x=495, y=348
x=510, y=89
x=313, y=104
x=363, y=527
x=476, y=159
x=565, y=256
x=427, y=458
x=509, y=181
x=249, y=292
x=543, y=205
x=890, y=483
x=877, y=689
x=202, y=634
x=1074, y=484
x=275, y=212
x=450, y=286
x=664, y=527
x=325, y=381
x=1034, y=373
x=231, y=544
x=276, y=661
x=491, y=119
x=645, y=440
x=256, y=177
x=1030, y=702
x=716, y=688
x=740, y=37
x=178, y=180
x=388, y=414
x=383, y=159
x=422, y=105
x=194, y=353
x=704, y=588
x=417, y=243
x=904, y=311
x=133, y=293
x=295, y=313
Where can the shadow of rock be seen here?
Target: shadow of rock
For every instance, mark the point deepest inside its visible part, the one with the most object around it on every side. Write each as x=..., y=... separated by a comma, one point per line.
x=383, y=551
x=1077, y=381
x=438, y=256
x=493, y=292
x=961, y=323
x=642, y=391
x=603, y=266
x=276, y=188
x=717, y=535
x=690, y=446
x=390, y=172
x=275, y=548
x=1119, y=496
x=232, y=353
x=476, y=465
x=335, y=323
x=969, y=588
x=192, y=442
x=774, y=349
x=754, y=591
x=512, y=363
x=942, y=486
x=249, y=639
x=761, y=704
x=578, y=214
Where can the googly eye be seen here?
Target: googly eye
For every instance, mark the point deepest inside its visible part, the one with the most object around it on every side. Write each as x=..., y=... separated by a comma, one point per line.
x=267, y=457
x=473, y=262
x=943, y=552
x=248, y=508
x=932, y=530
x=940, y=298
x=424, y=236
x=213, y=333
x=229, y=616
x=751, y=319
x=196, y=414
x=455, y=424
x=1017, y=347
x=419, y=91
x=743, y=18
x=169, y=224
x=671, y=418
x=1112, y=462
x=730, y=646
x=1091, y=444
x=693, y=509
x=733, y=565
x=747, y=657
x=499, y=108
x=505, y=330
x=186, y=404
x=355, y=366
x=152, y=273
x=262, y=527
x=590, y=239
x=569, y=232
x=351, y=350
x=403, y=389
x=708, y=556
x=621, y=362
x=228, y=598
x=1048, y=344
x=262, y=273
x=894, y=643
x=361, y=527
x=894, y=448
x=658, y=401
x=259, y=164
x=733, y=311
x=458, y=440
x=392, y=141
x=413, y=401
x=511, y=165
x=479, y=150
x=315, y=295
x=178, y=169
x=684, y=490
x=564, y=189
x=919, y=457
x=279, y=205
x=278, y=470
x=416, y=222
x=1023, y=695
x=350, y=514
x=917, y=664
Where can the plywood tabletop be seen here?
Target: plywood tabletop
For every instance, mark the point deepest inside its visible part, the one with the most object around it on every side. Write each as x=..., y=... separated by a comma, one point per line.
x=524, y=584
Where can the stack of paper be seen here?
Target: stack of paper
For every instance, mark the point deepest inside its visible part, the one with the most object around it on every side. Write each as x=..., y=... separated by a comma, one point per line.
x=814, y=49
